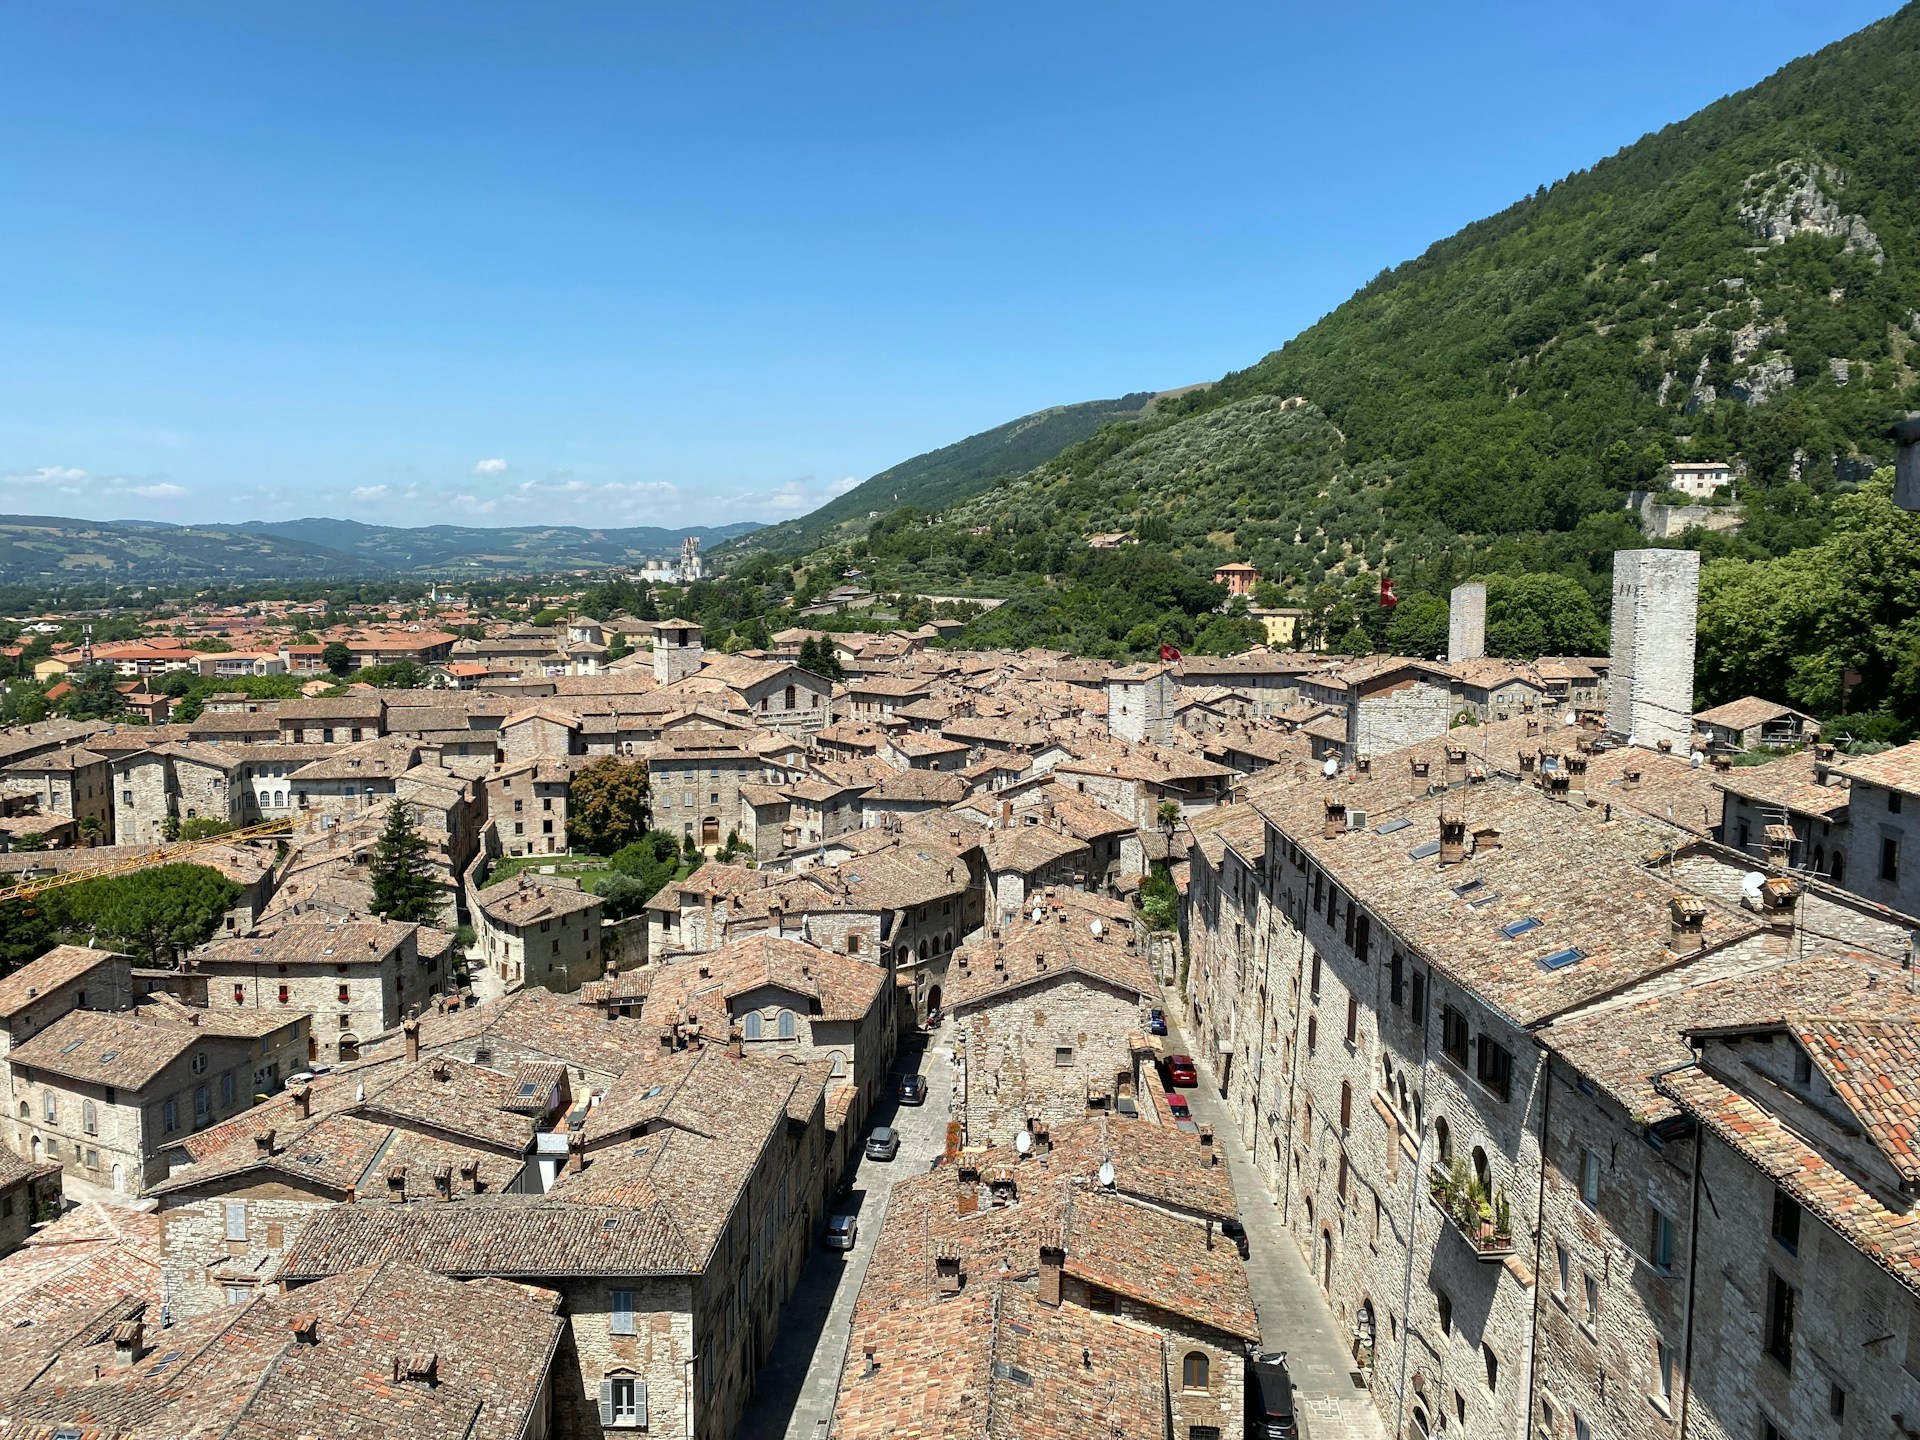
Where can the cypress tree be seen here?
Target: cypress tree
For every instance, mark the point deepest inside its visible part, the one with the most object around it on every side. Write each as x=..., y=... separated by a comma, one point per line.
x=403, y=883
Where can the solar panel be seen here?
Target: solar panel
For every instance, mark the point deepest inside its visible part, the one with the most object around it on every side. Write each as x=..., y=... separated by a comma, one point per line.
x=1393, y=827
x=1424, y=852
x=1514, y=929
x=1560, y=959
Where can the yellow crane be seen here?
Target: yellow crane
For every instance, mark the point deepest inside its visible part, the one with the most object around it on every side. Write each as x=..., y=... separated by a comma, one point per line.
x=162, y=855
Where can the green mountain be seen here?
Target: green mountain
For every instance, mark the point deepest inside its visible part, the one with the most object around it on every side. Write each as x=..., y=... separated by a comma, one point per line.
x=1742, y=285
x=948, y=475
x=50, y=550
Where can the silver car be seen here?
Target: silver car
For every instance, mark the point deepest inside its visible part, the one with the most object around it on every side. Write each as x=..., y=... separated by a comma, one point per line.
x=842, y=1230
x=883, y=1143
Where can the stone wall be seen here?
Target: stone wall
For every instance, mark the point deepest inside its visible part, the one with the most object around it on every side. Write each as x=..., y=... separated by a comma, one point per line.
x=1467, y=622
x=1033, y=1053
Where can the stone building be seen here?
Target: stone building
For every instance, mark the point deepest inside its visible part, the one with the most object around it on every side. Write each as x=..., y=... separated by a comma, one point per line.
x=780, y=695
x=1140, y=703
x=673, y=1237
x=785, y=999
x=1885, y=866
x=1467, y=622
x=72, y=781
x=677, y=651
x=332, y=720
x=356, y=976
x=106, y=1094
x=30, y=1195
x=538, y=930
x=1048, y=1014
x=694, y=778
x=527, y=803
x=1081, y=1295
x=1656, y=597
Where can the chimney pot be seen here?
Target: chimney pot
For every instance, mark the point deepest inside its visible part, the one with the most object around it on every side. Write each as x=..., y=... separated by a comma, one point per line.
x=1453, y=839
x=411, y=1030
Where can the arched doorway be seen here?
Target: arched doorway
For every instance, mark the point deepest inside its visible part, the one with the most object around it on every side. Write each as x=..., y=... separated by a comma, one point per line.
x=1363, y=1334
x=1326, y=1260
x=349, y=1047
x=710, y=830
x=933, y=1000
x=37, y=1148
x=119, y=1179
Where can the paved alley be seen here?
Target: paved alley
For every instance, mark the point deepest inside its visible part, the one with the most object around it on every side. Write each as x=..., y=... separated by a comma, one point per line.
x=1294, y=1316
x=796, y=1387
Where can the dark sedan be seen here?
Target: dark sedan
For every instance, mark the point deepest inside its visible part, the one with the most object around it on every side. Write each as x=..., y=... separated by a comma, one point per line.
x=913, y=1090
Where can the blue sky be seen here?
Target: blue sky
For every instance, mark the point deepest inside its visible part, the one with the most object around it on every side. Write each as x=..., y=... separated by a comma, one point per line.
x=639, y=263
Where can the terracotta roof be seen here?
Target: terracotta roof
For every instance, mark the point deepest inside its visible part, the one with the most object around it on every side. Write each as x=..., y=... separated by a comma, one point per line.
x=1896, y=769
x=1874, y=1067
x=1746, y=712
x=41, y=977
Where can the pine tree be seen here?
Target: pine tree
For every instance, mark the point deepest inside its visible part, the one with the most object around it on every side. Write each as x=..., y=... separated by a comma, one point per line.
x=403, y=883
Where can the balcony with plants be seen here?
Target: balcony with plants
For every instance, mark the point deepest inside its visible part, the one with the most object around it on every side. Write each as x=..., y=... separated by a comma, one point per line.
x=1475, y=1208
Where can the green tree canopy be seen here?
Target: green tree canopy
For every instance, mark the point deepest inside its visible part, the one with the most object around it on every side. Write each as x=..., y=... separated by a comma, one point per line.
x=156, y=915
x=607, y=804
x=337, y=657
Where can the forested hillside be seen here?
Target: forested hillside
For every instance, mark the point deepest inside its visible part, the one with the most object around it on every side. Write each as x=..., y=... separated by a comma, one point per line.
x=1743, y=285
x=950, y=474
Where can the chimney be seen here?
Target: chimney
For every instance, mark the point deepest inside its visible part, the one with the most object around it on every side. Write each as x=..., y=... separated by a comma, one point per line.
x=442, y=1070
x=397, y=1184
x=302, y=1101
x=1052, y=1258
x=1527, y=761
x=263, y=1142
x=1689, y=915
x=576, y=1153
x=306, y=1329
x=1336, y=823
x=1453, y=840
x=1485, y=837
x=411, y=1030
x=953, y=1276
x=1779, y=846
x=129, y=1341
x=443, y=1182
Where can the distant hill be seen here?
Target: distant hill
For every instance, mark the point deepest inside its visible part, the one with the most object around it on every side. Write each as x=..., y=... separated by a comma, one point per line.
x=43, y=549
x=1742, y=285
x=950, y=474
x=524, y=548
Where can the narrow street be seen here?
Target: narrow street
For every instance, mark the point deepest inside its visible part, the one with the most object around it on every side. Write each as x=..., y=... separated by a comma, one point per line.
x=796, y=1387
x=1294, y=1316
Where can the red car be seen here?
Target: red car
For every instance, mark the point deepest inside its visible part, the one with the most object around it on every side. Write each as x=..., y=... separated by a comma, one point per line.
x=1180, y=1071
x=1177, y=1107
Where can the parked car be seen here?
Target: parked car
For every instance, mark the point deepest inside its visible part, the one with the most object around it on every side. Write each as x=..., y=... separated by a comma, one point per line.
x=1270, y=1399
x=1180, y=1072
x=1237, y=1233
x=842, y=1230
x=913, y=1089
x=1156, y=1022
x=883, y=1143
x=1177, y=1106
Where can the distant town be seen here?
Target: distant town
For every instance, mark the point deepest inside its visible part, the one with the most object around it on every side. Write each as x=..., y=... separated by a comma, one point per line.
x=559, y=1022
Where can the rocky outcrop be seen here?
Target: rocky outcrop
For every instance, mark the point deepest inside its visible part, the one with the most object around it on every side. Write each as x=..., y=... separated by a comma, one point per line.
x=1791, y=199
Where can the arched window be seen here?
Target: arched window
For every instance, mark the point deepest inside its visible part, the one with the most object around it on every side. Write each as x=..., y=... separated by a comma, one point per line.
x=786, y=1025
x=790, y=695
x=49, y=1107
x=1443, y=1140
x=89, y=1118
x=1482, y=1171
x=1837, y=867
x=923, y=949
x=839, y=1065
x=1193, y=1371
x=752, y=1026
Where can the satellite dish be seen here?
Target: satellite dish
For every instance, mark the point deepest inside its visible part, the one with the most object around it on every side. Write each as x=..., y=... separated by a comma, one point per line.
x=1023, y=1142
x=1694, y=763
x=1331, y=768
x=1751, y=884
x=1095, y=927
x=1106, y=1173
x=1039, y=914
x=1570, y=719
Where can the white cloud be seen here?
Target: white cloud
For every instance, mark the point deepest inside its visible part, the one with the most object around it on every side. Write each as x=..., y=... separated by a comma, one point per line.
x=491, y=467
x=48, y=475
x=370, y=492
x=160, y=492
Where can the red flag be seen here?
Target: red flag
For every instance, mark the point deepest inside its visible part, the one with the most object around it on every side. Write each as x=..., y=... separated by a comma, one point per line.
x=1387, y=598
x=1169, y=653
